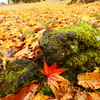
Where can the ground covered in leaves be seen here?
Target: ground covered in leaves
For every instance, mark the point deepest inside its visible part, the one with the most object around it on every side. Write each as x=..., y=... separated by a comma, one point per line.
x=19, y=21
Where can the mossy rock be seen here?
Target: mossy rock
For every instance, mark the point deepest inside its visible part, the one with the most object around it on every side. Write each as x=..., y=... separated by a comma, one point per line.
x=18, y=73
x=75, y=47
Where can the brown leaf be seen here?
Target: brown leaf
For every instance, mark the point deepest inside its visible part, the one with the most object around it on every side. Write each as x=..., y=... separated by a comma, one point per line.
x=89, y=80
x=39, y=29
x=82, y=96
x=61, y=90
x=24, y=93
x=36, y=49
x=67, y=96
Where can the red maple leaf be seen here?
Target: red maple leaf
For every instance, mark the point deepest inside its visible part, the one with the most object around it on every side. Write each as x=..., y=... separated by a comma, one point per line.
x=52, y=73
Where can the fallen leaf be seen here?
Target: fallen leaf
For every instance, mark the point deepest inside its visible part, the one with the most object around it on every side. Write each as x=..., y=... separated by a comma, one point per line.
x=23, y=53
x=97, y=69
x=82, y=96
x=60, y=90
x=26, y=92
x=52, y=73
x=40, y=96
x=94, y=95
x=67, y=96
x=89, y=80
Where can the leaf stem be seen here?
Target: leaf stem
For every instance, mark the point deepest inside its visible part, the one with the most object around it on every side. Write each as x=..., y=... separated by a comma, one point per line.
x=43, y=82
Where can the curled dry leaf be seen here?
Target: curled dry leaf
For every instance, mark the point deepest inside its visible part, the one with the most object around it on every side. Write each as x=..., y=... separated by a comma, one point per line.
x=89, y=80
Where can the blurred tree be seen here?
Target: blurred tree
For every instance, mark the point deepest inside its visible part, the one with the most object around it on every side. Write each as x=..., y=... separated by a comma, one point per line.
x=29, y=1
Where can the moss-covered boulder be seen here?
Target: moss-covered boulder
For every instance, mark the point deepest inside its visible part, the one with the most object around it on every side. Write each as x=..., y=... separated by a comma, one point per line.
x=75, y=47
x=18, y=73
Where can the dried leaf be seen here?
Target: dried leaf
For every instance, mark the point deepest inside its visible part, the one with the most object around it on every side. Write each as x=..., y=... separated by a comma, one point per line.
x=67, y=96
x=5, y=59
x=89, y=80
x=40, y=96
x=23, y=53
x=82, y=96
x=26, y=92
x=60, y=89
x=36, y=49
x=97, y=69
x=94, y=95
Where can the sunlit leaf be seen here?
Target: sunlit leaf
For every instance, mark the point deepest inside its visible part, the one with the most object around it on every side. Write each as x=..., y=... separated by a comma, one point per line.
x=94, y=95
x=52, y=73
x=40, y=96
x=89, y=80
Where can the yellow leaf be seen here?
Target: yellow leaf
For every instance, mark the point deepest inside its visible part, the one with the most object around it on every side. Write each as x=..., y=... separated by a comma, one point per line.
x=5, y=59
x=97, y=69
x=89, y=80
x=94, y=95
x=40, y=96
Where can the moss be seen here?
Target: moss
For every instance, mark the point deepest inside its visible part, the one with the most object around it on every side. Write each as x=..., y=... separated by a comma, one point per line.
x=85, y=33
x=75, y=47
x=28, y=32
x=84, y=61
x=46, y=90
x=10, y=75
x=18, y=73
x=96, y=15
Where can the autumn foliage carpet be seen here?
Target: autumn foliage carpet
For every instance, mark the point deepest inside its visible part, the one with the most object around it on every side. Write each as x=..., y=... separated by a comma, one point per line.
x=19, y=19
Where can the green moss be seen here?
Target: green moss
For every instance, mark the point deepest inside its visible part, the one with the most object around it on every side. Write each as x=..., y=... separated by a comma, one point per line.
x=28, y=32
x=75, y=47
x=46, y=89
x=18, y=73
x=85, y=33
x=96, y=15
x=10, y=75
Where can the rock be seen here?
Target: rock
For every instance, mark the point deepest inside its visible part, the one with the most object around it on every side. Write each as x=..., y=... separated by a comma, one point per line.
x=75, y=47
x=18, y=73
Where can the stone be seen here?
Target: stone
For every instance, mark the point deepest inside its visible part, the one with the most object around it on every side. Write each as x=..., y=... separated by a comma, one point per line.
x=17, y=74
x=75, y=47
